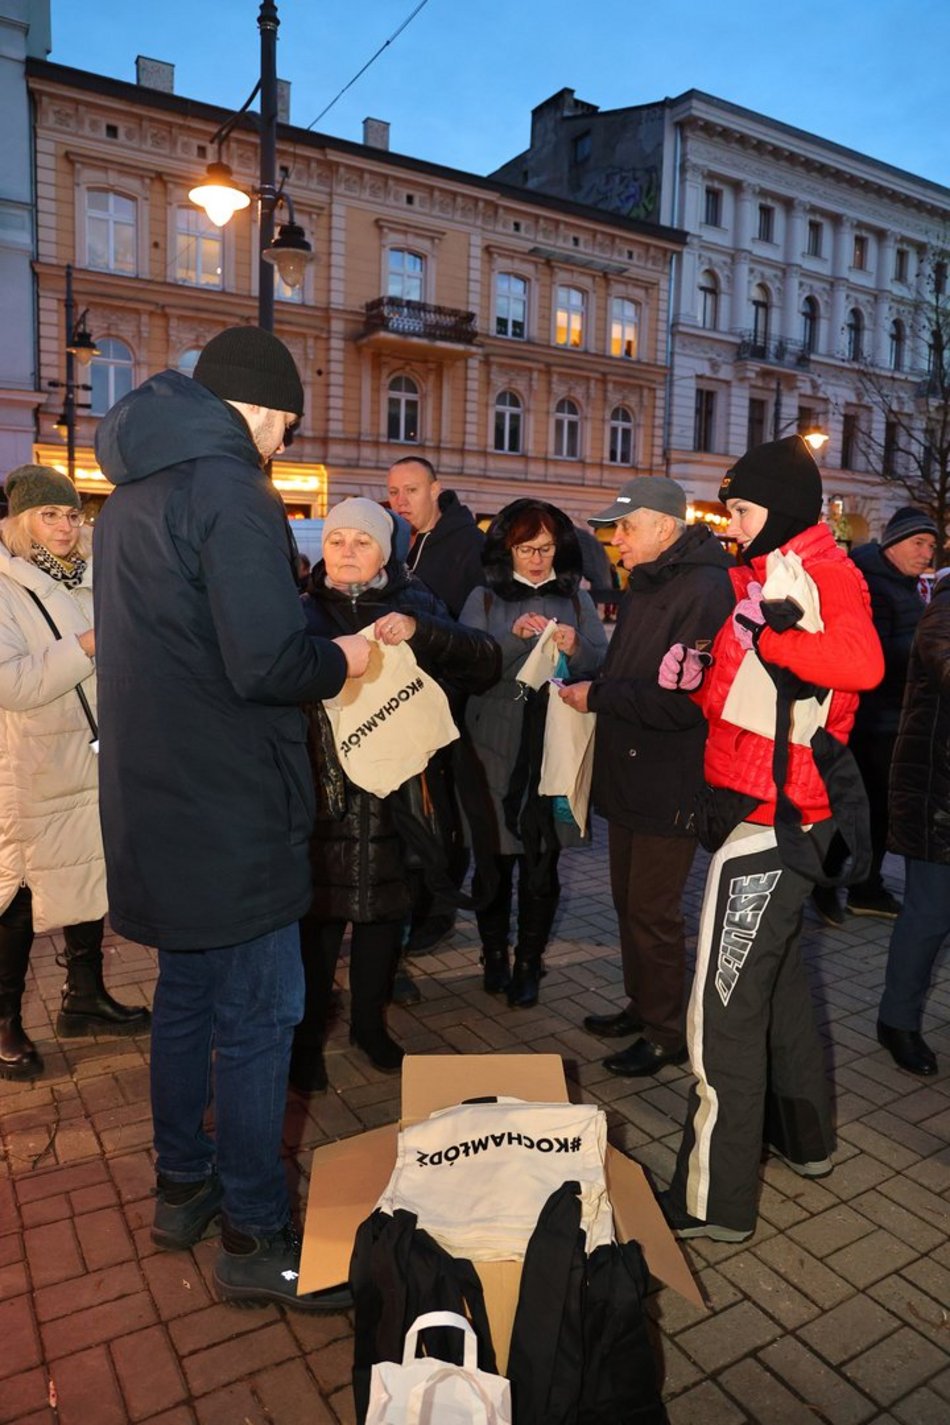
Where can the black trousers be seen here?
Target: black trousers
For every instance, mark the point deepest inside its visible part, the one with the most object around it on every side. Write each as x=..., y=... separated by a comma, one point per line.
x=374, y=949
x=83, y=942
x=874, y=754
x=537, y=904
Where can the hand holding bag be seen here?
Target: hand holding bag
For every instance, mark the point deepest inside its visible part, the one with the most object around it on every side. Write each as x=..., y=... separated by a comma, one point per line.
x=427, y=1391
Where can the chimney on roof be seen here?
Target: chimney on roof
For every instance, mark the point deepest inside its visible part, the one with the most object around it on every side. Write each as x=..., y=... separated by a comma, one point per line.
x=283, y=101
x=376, y=133
x=154, y=74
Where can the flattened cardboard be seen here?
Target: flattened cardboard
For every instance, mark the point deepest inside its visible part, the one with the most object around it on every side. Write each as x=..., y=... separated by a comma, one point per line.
x=348, y=1178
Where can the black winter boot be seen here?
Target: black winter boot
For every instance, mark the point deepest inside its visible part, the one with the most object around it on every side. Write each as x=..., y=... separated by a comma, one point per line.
x=319, y=948
x=253, y=1271
x=18, y=1056
x=525, y=979
x=497, y=975
x=374, y=949
x=88, y=1007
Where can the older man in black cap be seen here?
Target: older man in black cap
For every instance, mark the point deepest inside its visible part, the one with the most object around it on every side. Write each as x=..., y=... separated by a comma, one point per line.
x=648, y=757
x=206, y=794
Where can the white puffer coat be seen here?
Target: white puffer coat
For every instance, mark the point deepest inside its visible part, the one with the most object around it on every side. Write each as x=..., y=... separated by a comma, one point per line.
x=49, y=789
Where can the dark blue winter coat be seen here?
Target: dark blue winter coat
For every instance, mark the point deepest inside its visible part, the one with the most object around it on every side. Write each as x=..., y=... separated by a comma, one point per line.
x=203, y=655
x=896, y=608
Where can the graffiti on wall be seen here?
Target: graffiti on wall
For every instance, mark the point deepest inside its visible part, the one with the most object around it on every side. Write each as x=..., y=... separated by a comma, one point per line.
x=632, y=192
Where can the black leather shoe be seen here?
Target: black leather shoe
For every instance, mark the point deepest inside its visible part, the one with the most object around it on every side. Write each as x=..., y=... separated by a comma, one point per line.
x=908, y=1049
x=621, y=1025
x=643, y=1057
x=18, y=1055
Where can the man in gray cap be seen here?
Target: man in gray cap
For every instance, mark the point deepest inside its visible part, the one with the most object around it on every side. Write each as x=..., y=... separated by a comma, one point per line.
x=648, y=757
x=206, y=792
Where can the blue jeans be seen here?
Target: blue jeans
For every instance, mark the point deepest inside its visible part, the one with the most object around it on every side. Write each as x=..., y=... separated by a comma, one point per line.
x=918, y=934
x=241, y=1002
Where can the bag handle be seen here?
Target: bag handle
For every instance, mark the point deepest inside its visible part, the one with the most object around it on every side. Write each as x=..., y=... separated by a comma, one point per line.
x=417, y=1398
x=441, y=1318
x=79, y=692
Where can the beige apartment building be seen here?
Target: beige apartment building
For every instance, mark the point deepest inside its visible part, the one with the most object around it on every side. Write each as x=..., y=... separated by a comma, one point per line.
x=518, y=341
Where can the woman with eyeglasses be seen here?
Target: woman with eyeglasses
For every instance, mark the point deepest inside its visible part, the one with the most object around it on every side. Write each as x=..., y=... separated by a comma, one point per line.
x=532, y=562
x=52, y=874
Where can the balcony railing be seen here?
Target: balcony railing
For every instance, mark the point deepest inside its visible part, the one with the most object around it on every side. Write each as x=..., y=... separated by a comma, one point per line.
x=403, y=317
x=773, y=352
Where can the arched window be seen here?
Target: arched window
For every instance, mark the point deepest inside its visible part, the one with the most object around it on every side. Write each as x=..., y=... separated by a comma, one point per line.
x=110, y=231
x=810, y=314
x=402, y=420
x=508, y=423
x=620, y=446
x=624, y=328
x=199, y=247
x=855, y=331
x=110, y=374
x=760, y=318
x=567, y=430
x=511, y=306
x=709, y=301
x=405, y=274
x=897, y=345
x=189, y=360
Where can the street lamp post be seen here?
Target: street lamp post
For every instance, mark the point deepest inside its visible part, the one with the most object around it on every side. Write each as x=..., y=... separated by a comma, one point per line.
x=79, y=347
x=221, y=198
x=814, y=438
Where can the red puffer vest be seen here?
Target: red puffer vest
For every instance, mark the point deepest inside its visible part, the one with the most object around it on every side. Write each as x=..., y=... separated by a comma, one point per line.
x=846, y=658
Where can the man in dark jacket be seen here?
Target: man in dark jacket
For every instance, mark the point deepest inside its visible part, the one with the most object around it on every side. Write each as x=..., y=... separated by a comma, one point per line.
x=892, y=568
x=648, y=757
x=206, y=793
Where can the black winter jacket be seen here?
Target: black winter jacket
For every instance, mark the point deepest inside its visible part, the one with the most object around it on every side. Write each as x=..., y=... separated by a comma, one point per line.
x=202, y=656
x=449, y=558
x=648, y=748
x=920, y=769
x=896, y=607
x=360, y=862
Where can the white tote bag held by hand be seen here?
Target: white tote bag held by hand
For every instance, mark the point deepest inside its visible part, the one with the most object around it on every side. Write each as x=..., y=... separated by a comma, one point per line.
x=427, y=1391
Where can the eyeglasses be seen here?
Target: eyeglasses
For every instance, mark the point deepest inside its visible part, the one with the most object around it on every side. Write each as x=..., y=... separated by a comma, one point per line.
x=541, y=550
x=50, y=518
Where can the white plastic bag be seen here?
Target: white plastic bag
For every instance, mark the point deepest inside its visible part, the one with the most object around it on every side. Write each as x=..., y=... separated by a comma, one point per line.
x=427, y=1391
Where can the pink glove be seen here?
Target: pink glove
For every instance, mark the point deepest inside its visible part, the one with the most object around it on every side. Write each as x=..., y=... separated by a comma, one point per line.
x=683, y=669
x=747, y=616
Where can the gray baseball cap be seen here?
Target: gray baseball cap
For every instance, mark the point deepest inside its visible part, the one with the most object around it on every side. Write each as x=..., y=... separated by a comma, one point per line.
x=645, y=492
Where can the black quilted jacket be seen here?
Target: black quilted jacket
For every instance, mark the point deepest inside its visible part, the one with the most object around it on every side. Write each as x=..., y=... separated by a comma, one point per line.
x=920, y=770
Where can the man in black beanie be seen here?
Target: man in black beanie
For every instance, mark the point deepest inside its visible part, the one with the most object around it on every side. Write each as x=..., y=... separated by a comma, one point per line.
x=206, y=794
x=892, y=567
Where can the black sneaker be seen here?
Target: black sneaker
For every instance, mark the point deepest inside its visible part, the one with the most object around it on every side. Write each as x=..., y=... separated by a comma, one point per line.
x=252, y=1271
x=184, y=1212
x=684, y=1226
x=880, y=903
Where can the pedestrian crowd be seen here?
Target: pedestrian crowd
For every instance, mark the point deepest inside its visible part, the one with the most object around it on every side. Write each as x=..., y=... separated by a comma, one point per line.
x=225, y=819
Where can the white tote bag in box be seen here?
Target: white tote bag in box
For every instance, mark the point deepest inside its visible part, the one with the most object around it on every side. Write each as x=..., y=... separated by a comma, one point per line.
x=427, y=1391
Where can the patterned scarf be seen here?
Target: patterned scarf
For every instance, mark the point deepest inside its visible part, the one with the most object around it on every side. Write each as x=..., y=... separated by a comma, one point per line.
x=68, y=572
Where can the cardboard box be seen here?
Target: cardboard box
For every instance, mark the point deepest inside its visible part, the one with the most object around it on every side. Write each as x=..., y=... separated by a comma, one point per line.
x=348, y=1178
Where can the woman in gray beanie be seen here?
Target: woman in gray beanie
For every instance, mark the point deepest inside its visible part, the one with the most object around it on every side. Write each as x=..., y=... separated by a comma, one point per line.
x=51, y=866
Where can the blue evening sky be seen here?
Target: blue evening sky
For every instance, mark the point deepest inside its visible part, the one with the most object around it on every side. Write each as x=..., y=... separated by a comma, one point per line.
x=459, y=83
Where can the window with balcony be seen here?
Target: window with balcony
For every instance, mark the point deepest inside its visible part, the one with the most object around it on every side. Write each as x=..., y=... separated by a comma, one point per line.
x=766, y=222
x=199, y=249
x=854, y=331
x=760, y=318
x=897, y=343
x=405, y=274
x=620, y=446
x=511, y=306
x=110, y=374
x=709, y=301
x=815, y=235
x=508, y=413
x=402, y=415
x=624, y=328
x=567, y=430
x=860, y=258
x=758, y=412
x=704, y=419
x=900, y=265
x=713, y=208
x=569, y=317
x=110, y=231
x=810, y=315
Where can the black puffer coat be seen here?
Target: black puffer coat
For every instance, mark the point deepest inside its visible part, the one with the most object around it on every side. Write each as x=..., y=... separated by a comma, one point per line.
x=920, y=770
x=648, y=748
x=896, y=607
x=360, y=861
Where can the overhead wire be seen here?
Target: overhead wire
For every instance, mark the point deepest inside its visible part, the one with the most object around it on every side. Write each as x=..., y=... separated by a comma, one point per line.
x=372, y=60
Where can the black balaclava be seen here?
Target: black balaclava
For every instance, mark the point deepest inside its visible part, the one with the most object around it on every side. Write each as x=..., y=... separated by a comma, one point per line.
x=782, y=477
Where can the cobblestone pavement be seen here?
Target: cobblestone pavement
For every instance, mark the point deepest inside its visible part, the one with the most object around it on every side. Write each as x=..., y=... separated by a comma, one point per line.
x=837, y=1310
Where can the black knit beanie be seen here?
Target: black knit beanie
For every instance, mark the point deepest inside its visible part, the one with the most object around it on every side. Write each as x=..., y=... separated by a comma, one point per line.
x=782, y=477
x=251, y=365
x=906, y=522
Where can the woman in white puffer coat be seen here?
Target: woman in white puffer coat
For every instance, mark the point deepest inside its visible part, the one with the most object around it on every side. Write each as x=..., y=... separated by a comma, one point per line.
x=52, y=873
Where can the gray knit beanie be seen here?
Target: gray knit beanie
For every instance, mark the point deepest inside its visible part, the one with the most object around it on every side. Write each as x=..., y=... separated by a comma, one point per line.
x=29, y=486
x=364, y=515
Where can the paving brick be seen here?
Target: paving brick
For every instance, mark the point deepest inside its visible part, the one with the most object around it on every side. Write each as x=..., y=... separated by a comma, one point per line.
x=103, y=1238
x=87, y=1390
x=764, y=1397
x=21, y=1394
x=181, y=1415
x=148, y=1372
x=82, y=1329
x=871, y=1258
x=234, y=1403
x=831, y=1230
x=20, y=1346
x=196, y=1332
x=53, y=1253
x=769, y=1290
x=133, y=1175
x=233, y=1360
x=895, y=1367
x=176, y=1284
x=13, y=1280
x=728, y=1335
x=289, y=1392
x=921, y=1407
x=91, y=1199
x=816, y=1383
x=706, y=1404
x=925, y=1313
x=333, y=1365
x=849, y=1329
x=60, y=1180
